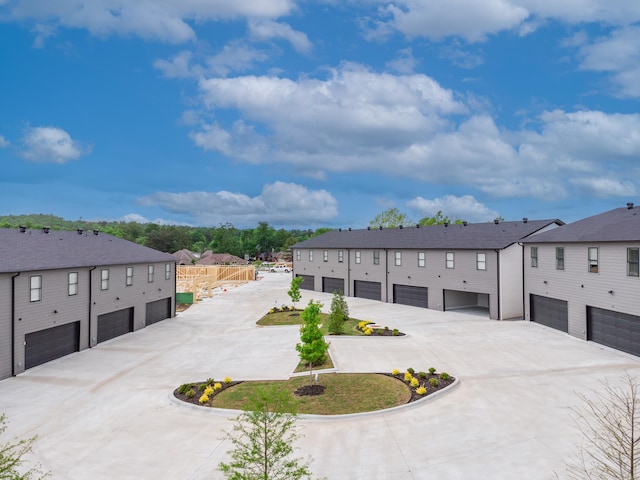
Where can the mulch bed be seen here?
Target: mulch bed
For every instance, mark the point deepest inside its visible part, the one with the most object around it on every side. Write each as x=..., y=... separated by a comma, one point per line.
x=195, y=386
x=310, y=390
x=425, y=383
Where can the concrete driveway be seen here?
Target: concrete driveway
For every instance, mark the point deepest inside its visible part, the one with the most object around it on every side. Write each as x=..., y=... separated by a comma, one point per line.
x=107, y=412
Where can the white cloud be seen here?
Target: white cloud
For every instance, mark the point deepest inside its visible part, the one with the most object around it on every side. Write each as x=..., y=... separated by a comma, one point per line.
x=136, y=217
x=164, y=20
x=50, y=144
x=179, y=66
x=461, y=57
x=279, y=203
x=465, y=207
x=606, y=187
x=263, y=29
x=4, y=143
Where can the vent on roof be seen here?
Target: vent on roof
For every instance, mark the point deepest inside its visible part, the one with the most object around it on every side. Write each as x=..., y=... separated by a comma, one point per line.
x=380, y=227
x=629, y=205
x=339, y=229
x=400, y=227
x=464, y=223
x=525, y=219
x=446, y=224
x=369, y=227
x=45, y=230
x=95, y=232
x=23, y=228
x=80, y=231
x=417, y=225
x=349, y=228
x=496, y=221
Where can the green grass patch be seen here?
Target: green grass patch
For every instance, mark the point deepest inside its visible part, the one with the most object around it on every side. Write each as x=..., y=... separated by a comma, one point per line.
x=302, y=366
x=291, y=318
x=344, y=393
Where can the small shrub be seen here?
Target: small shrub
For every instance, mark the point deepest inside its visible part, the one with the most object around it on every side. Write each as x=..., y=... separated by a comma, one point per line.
x=395, y=371
x=378, y=332
x=184, y=388
x=204, y=399
x=227, y=380
x=415, y=383
x=217, y=386
x=422, y=375
x=407, y=376
x=202, y=387
x=208, y=391
x=411, y=370
x=395, y=332
x=444, y=376
x=210, y=381
x=191, y=393
x=432, y=370
x=421, y=390
x=368, y=331
x=433, y=382
x=386, y=328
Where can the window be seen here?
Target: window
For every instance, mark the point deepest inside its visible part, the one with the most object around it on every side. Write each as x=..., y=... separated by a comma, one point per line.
x=422, y=259
x=311, y=255
x=534, y=257
x=376, y=257
x=325, y=255
x=129, y=281
x=358, y=258
x=481, y=261
x=340, y=256
x=104, y=280
x=35, y=287
x=633, y=262
x=559, y=258
x=167, y=271
x=151, y=270
x=73, y=283
x=450, y=259
x=593, y=259
x=298, y=255
x=398, y=259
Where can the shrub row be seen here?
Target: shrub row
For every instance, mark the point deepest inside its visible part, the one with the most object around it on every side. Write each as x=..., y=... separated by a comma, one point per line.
x=207, y=389
x=421, y=383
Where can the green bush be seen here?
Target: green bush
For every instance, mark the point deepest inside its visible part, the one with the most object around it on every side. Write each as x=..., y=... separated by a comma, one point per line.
x=422, y=375
x=444, y=376
x=184, y=388
x=433, y=382
x=395, y=332
x=191, y=393
x=202, y=387
x=432, y=370
x=411, y=370
x=210, y=381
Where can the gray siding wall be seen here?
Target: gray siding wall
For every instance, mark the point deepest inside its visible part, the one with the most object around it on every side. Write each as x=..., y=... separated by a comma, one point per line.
x=511, y=283
x=435, y=276
x=5, y=326
x=58, y=308
x=578, y=286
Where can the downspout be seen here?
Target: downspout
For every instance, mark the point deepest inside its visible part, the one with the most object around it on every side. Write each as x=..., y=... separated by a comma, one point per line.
x=386, y=275
x=90, y=302
x=498, y=281
x=351, y=290
x=523, y=288
x=175, y=286
x=13, y=324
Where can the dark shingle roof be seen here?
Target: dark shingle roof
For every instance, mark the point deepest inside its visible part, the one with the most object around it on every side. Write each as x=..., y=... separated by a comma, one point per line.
x=618, y=225
x=36, y=250
x=477, y=236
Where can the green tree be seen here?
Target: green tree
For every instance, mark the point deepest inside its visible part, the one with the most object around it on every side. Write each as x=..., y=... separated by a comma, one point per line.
x=390, y=218
x=312, y=347
x=262, y=439
x=337, y=316
x=438, y=219
x=294, y=290
x=12, y=457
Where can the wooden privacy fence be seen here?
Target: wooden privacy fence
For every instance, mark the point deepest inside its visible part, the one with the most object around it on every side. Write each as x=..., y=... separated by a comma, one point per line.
x=202, y=279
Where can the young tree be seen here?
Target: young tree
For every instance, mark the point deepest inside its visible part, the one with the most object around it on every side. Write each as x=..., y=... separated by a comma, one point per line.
x=390, y=218
x=312, y=347
x=12, y=457
x=337, y=315
x=263, y=437
x=294, y=290
x=438, y=219
x=610, y=425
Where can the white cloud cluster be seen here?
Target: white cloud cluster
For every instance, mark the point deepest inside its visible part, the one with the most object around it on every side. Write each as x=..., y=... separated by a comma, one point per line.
x=465, y=207
x=279, y=203
x=50, y=144
x=4, y=142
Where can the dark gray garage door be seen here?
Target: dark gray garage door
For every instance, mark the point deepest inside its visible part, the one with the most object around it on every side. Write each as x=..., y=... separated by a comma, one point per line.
x=614, y=329
x=308, y=282
x=550, y=312
x=114, y=324
x=46, y=345
x=158, y=310
x=370, y=290
x=331, y=285
x=410, y=295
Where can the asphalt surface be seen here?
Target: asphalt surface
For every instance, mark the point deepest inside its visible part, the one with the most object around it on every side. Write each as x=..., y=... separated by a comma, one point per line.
x=108, y=412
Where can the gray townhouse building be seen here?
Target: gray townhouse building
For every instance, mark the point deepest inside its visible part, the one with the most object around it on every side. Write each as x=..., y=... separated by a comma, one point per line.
x=66, y=291
x=583, y=278
x=441, y=267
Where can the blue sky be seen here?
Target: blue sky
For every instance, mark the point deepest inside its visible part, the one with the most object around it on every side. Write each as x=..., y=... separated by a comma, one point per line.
x=308, y=114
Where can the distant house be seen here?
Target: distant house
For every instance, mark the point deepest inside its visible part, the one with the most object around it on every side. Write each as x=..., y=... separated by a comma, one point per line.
x=185, y=257
x=441, y=267
x=221, y=259
x=61, y=292
x=584, y=278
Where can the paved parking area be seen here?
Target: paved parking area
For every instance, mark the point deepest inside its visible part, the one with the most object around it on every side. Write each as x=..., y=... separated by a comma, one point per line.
x=107, y=413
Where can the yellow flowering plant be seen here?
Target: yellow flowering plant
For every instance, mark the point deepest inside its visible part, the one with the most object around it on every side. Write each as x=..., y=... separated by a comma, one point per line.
x=415, y=383
x=395, y=371
x=407, y=376
x=227, y=380
x=204, y=398
x=217, y=386
x=208, y=391
x=421, y=390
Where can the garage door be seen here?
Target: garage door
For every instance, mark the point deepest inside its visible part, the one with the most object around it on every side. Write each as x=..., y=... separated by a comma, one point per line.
x=410, y=295
x=550, y=312
x=330, y=284
x=614, y=329
x=308, y=282
x=46, y=345
x=370, y=290
x=158, y=310
x=114, y=324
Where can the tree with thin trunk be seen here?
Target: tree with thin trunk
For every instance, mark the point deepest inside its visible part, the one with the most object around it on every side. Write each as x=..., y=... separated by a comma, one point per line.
x=12, y=458
x=312, y=347
x=610, y=427
x=262, y=439
x=335, y=325
x=294, y=290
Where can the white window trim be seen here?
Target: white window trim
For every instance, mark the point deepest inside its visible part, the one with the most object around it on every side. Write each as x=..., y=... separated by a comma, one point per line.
x=450, y=260
x=151, y=271
x=104, y=279
x=593, y=262
x=358, y=257
x=534, y=258
x=167, y=271
x=629, y=263
x=73, y=285
x=398, y=258
x=340, y=256
x=558, y=258
x=481, y=262
x=129, y=278
x=422, y=259
x=37, y=289
x=325, y=255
